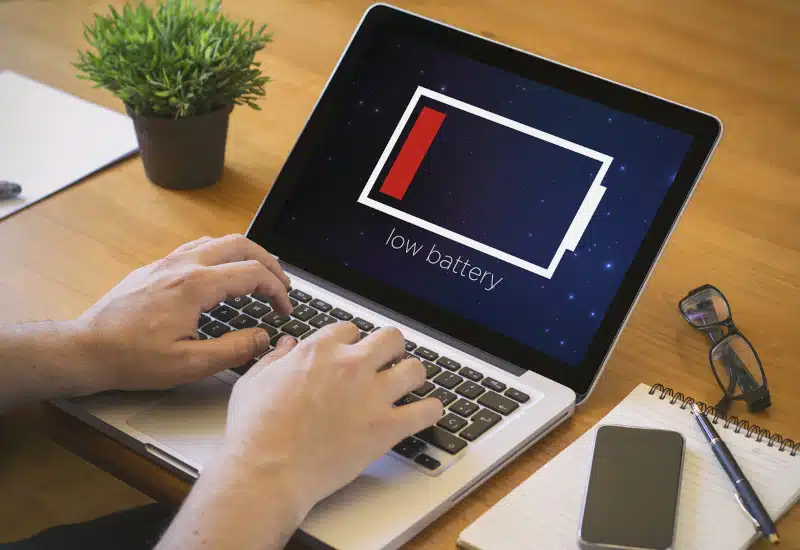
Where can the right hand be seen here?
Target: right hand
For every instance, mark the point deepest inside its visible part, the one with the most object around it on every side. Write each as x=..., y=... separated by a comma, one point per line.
x=323, y=413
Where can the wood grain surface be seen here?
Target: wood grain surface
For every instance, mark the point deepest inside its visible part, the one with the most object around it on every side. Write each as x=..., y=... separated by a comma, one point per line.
x=738, y=59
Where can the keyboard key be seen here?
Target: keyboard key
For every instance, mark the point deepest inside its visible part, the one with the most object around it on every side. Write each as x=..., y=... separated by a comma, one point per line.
x=256, y=309
x=452, y=423
x=407, y=399
x=215, y=329
x=239, y=301
x=409, y=447
x=425, y=353
x=244, y=368
x=295, y=328
x=362, y=335
x=425, y=389
x=432, y=369
x=203, y=320
x=321, y=320
x=366, y=326
x=307, y=334
x=470, y=390
x=480, y=423
x=274, y=340
x=448, y=380
x=243, y=321
x=427, y=462
x=201, y=336
x=442, y=439
x=320, y=305
x=275, y=319
x=294, y=302
x=464, y=408
x=261, y=297
x=443, y=395
x=304, y=313
x=473, y=375
x=224, y=313
x=410, y=346
x=493, y=384
x=517, y=395
x=299, y=295
x=498, y=403
x=407, y=355
x=270, y=330
x=448, y=363
x=341, y=314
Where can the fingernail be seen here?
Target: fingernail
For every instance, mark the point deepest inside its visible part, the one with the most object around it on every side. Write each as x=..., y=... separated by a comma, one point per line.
x=262, y=340
x=285, y=342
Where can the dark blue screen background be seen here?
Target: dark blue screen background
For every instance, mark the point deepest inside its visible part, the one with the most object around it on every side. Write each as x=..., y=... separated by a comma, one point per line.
x=559, y=316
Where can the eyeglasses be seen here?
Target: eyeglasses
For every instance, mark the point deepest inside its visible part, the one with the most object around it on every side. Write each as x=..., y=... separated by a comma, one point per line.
x=734, y=360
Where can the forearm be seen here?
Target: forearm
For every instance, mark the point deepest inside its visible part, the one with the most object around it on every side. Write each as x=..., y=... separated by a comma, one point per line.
x=236, y=507
x=41, y=361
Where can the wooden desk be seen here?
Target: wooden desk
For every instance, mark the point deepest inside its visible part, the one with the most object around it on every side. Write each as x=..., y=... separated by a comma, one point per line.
x=737, y=59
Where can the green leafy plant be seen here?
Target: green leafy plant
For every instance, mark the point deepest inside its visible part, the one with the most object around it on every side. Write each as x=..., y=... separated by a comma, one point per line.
x=175, y=60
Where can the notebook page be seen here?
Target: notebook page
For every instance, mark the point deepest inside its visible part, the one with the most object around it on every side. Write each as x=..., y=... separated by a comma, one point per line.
x=50, y=139
x=544, y=511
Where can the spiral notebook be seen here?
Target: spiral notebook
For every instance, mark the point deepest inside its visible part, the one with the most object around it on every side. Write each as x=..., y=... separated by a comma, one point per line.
x=544, y=511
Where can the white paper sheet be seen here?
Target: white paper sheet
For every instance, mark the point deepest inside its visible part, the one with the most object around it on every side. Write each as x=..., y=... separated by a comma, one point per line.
x=50, y=139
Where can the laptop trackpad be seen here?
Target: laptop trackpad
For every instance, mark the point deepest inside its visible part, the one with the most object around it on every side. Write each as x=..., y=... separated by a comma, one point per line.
x=190, y=420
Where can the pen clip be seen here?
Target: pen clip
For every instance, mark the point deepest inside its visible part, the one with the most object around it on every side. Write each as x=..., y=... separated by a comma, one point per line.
x=746, y=511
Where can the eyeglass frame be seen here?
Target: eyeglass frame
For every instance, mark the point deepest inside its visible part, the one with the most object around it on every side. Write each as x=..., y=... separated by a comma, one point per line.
x=758, y=397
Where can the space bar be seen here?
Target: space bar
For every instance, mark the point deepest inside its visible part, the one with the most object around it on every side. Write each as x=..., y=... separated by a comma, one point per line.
x=442, y=439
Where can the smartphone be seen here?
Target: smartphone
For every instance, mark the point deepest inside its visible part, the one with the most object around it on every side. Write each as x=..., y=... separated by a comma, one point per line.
x=632, y=494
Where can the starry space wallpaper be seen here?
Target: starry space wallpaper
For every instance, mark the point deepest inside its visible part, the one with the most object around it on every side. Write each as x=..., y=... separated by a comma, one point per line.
x=488, y=182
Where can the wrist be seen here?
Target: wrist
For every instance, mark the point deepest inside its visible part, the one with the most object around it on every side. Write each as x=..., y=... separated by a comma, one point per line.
x=79, y=356
x=48, y=360
x=264, y=473
x=238, y=504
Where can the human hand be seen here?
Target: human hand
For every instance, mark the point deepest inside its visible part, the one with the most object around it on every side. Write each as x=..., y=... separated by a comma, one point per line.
x=142, y=334
x=316, y=417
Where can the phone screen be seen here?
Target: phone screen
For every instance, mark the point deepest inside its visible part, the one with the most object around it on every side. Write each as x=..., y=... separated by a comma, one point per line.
x=632, y=497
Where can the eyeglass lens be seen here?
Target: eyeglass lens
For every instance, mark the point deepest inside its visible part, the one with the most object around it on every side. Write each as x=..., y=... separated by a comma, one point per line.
x=705, y=308
x=735, y=365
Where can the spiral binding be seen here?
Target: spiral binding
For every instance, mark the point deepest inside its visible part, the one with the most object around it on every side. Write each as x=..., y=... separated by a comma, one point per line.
x=761, y=434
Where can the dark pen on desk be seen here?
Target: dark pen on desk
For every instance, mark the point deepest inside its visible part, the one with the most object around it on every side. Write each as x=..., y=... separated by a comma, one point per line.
x=9, y=189
x=745, y=493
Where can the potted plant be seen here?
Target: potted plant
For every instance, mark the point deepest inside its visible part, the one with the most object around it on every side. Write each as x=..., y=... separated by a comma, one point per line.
x=179, y=68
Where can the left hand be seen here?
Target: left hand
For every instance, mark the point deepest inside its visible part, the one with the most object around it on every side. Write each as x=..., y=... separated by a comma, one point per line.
x=142, y=334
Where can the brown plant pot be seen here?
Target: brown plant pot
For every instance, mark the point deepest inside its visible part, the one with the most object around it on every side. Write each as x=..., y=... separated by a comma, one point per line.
x=183, y=153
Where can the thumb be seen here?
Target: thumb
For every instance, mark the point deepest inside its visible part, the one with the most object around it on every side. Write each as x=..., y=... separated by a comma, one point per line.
x=228, y=351
x=285, y=344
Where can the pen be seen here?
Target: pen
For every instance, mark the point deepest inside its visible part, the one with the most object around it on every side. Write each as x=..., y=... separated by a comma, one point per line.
x=9, y=190
x=745, y=494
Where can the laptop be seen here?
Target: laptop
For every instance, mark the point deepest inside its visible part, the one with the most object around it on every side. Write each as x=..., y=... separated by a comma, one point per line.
x=502, y=210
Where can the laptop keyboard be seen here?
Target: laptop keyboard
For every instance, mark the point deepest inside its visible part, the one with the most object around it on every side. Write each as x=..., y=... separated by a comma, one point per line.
x=474, y=403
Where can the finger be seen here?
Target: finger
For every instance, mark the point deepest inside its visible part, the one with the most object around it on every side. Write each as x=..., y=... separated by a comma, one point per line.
x=342, y=333
x=405, y=376
x=192, y=245
x=415, y=417
x=216, y=283
x=285, y=344
x=382, y=347
x=237, y=248
x=205, y=357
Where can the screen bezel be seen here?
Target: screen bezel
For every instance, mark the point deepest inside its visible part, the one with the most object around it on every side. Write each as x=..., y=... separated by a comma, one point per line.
x=379, y=19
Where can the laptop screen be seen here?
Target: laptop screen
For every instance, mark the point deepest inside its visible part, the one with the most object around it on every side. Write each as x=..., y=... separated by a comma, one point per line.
x=468, y=189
